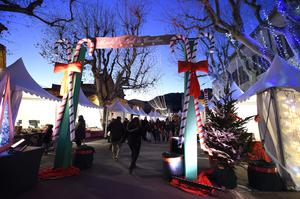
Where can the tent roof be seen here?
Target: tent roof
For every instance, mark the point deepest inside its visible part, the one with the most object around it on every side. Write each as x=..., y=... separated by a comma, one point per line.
x=154, y=114
x=22, y=81
x=84, y=101
x=280, y=74
x=138, y=111
x=129, y=110
x=143, y=112
x=236, y=91
x=117, y=107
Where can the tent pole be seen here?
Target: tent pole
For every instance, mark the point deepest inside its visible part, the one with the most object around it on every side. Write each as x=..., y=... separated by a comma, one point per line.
x=279, y=132
x=106, y=120
x=285, y=175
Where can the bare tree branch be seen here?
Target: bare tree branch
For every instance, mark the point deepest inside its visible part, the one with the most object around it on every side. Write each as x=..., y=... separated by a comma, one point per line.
x=29, y=10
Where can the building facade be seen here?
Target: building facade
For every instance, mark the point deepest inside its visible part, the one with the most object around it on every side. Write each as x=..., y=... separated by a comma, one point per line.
x=246, y=67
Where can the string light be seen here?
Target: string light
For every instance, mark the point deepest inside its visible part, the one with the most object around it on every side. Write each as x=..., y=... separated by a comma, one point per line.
x=289, y=103
x=4, y=133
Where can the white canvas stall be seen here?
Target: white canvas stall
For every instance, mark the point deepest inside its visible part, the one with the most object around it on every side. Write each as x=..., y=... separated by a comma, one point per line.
x=34, y=108
x=24, y=87
x=32, y=102
x=117, y=110
x=92, y=113
x=277, y=101
x=129, y=111
x=92, y=116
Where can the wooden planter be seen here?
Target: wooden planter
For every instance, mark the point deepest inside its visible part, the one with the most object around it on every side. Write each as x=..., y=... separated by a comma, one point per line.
x=19, y=171
x=264, y=177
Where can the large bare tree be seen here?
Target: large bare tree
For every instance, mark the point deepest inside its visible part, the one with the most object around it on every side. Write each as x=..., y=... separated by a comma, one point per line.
x=228, y=17
x=114, y=70
x=32, y=8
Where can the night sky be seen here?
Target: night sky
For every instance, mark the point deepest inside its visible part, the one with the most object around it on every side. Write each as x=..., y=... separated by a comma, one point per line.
x=25, y=33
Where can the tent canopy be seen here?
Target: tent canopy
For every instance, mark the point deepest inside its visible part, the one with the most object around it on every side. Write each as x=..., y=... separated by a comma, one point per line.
x=22, y=81
x=84, y=101
x=139, y=111
x=117, y=107
x=236, y=91
x=129, y=110
x=280, y=74
x=154, y=114
x=143, y=112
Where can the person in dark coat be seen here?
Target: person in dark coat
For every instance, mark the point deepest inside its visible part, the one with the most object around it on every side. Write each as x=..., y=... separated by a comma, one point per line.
x=144, y=126
x=80, y=131
x=116, y=134
x=134, y=137
x=47, y=137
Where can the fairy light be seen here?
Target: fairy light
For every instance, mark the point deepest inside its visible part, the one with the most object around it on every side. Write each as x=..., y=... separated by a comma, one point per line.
x=4, y=133
x=288, y=101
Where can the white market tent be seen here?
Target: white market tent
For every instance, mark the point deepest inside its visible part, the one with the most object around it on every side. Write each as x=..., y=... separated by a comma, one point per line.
x=33, y=105
x=156, y=115
x=143, y=112
x=22, y=84
x=278, y=103
x=139, y=112
x=92, y=113
x=130, y=111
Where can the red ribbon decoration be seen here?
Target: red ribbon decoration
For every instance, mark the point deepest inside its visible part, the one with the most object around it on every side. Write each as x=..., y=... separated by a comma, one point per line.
x=75, y=67
x=185, y=66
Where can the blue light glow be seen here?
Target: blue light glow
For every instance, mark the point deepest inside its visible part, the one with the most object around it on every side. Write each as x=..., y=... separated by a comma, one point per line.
x=4, y=132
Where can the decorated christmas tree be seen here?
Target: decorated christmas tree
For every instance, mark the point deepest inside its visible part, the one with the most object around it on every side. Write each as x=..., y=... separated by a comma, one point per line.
x=226, y=133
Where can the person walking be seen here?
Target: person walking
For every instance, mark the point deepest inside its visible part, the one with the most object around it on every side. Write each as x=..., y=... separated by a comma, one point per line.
x=116, y=134
x=145, y=127
x=134, y=137
x=47, y=137
x=80, y=131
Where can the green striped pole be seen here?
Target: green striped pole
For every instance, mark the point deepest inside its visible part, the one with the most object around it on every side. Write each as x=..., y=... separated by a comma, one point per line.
x=190, y=133
x=63, y=154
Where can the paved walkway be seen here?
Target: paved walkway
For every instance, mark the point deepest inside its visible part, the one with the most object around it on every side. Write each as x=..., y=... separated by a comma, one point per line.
x=110, y=179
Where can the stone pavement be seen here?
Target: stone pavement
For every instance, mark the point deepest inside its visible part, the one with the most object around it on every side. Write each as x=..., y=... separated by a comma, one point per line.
x=110, y=179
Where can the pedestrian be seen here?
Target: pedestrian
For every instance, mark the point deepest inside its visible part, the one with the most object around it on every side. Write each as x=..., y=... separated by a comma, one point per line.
x=145, y=127
x=134, y=137
x=116, y=134
x=47, y=137
x=125, y=123
x=80, y=131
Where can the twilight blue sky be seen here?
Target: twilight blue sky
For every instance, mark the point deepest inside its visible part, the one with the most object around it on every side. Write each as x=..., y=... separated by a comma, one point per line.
x=25, y=32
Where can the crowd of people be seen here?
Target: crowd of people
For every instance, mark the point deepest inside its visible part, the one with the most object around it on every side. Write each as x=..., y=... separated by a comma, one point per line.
x=135, y=131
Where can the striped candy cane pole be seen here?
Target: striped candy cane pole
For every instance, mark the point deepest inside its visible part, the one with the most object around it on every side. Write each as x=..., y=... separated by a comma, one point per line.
x=187, y=94
x=71, y=85
x=64, y=99
x=200, y=132
x=90, y=45
x=190, y=56
x=203, y=145
x=70, y=93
